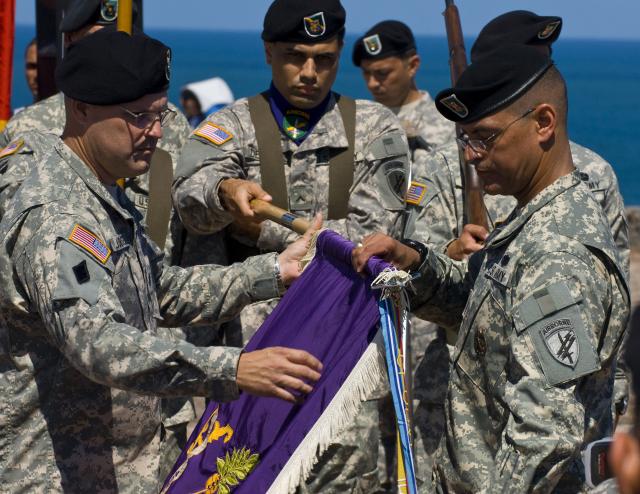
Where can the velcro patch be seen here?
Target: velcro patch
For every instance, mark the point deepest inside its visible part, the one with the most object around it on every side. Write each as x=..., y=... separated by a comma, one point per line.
x=91, y=243
x=214, y=133
x=416, y=193
x=12, y=148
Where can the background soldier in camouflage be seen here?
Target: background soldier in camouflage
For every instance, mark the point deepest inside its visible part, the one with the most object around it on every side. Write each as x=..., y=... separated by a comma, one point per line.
x=542, y=307
x=83, y=291
x=438, y=220
x=221, y=170
x=389, y=61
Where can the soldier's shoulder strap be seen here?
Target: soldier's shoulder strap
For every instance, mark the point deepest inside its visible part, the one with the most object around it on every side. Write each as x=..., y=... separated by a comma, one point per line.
x=159, y=211
x=272, y=163
x=269, y=149
x=341, y=165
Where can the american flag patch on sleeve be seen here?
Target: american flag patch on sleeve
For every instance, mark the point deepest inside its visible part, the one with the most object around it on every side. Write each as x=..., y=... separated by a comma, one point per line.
x=88, y=241
x=12, y=148
x=214, y=133
x=415, y=193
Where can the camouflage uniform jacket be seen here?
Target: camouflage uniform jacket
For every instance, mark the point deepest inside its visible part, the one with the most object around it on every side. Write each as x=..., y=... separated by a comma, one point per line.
x=439, y=218
x=82, y=293
x=421, y=118
x=542, y=312
x=376, y=198
x=48, y=117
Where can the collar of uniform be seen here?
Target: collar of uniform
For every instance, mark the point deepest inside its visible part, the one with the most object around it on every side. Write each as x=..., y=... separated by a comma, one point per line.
x=329, y=132
x=538, y=202
x=89, y=178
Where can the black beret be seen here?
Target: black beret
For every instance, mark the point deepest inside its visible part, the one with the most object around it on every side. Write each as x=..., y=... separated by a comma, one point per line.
x=493, y=82
x=298, y=21
x=519, y=27
x=81, y=13
x=109, y=68
x=385, y=39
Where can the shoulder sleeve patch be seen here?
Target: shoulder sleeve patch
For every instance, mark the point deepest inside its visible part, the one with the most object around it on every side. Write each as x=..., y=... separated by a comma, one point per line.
x=77, y=276
x=554, y=323
x=13, y=147
x=213, y=133
x=416, y=193
x=88, y=241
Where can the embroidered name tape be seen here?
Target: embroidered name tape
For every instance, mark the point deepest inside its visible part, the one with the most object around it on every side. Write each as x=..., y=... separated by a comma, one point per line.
x=415, y=193
x=12, y=148
x=214, y=133
x=88, y=241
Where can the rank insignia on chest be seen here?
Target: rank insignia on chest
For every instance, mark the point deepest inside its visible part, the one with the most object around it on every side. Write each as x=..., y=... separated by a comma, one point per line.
x=86, y=240
x=295, y=124
x=12, y=148
x=415, y=193
x=314, y=25
x=214, y=133
x=560, y=338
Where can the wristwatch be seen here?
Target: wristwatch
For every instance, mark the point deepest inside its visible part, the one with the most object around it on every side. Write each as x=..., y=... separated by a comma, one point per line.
x=278, y=276
x=419, y=247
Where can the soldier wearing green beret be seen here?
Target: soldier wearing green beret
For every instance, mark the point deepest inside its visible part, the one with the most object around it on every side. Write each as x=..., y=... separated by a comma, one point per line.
x=542, y=308
x=84, y=291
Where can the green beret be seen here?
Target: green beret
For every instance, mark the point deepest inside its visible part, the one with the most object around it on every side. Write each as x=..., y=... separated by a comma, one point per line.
x=298, y=21
x=385, y=39
x=110, y=68
x=493, y=82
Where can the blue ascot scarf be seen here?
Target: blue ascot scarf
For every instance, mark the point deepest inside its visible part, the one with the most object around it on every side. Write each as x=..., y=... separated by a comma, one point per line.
x=296, y=124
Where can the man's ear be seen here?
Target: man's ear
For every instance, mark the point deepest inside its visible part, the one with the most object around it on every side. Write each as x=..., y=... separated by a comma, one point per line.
x=268, y=52
x=80, y=111
x=546, y=118
x=414, y=64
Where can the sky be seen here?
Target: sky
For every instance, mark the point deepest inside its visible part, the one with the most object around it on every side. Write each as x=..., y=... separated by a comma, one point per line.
x=595, y=19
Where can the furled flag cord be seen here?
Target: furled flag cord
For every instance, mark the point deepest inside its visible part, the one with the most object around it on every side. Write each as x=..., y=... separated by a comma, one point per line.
x=394, y=320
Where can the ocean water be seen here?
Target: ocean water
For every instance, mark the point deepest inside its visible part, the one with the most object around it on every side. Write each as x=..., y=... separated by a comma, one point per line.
x=603, y=79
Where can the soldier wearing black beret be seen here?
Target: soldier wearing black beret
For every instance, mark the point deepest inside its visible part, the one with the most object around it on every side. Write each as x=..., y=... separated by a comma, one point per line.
x=542, y=307
x=84, y=291
x=310, y=150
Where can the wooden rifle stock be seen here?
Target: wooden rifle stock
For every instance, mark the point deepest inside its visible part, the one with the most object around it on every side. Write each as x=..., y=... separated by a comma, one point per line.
x=475, y=211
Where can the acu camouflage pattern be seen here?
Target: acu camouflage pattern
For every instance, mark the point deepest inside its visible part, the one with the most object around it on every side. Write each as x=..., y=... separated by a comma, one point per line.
x=349, y=465
x=437, y=221
x=609, y=486
x=426, y=130
x=421, y=118
x=39, y=125
x=83, y=362
x=517, y=418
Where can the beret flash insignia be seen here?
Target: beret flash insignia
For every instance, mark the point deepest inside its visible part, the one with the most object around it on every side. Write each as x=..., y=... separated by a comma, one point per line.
x=314, y=25
x=109, y=10
x=372, y=44
x=548, y=30
x=167, y=69
x=455, y=105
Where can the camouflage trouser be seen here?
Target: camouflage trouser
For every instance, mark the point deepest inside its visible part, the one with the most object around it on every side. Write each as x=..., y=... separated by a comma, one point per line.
x=349, y=465
x=430, y=356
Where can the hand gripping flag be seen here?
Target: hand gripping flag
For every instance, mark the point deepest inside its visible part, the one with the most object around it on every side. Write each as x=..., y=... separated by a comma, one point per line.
x=257, y=444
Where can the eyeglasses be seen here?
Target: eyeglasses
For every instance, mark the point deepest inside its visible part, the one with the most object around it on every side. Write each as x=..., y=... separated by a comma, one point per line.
x=145, y=119
x=483, y=145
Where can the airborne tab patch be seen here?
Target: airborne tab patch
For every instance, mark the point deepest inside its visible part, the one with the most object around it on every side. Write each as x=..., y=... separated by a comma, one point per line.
x=86, y=240
x=214, y=133
x=12, y=148
x=415, y=193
